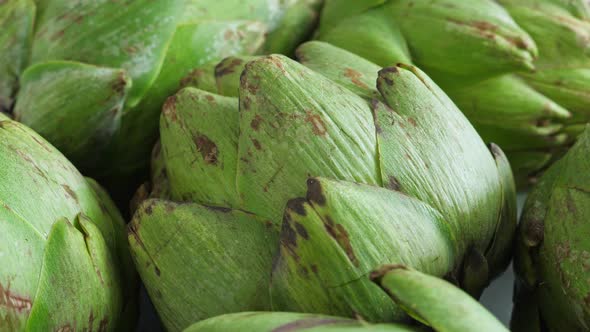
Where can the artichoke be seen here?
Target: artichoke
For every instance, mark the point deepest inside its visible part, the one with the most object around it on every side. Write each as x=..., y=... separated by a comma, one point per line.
x=65, y=263
x=283, y=185
x=553, y=256
x=432, y=301
x=518, y=69
x=91, y=76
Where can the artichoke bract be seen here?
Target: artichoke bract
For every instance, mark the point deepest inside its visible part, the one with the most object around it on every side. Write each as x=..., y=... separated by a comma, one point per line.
x=285, y=192
x=553, y=256
x=433, y=302
x=91, y=76
x=519, y=70
x=64, y=261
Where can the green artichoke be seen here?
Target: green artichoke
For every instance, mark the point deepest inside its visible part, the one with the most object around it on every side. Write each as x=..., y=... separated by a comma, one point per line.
x=518, y=69
x=431, y=301
x=91, y=76
x=286, y=183
x=553, y=255
x=65, y=263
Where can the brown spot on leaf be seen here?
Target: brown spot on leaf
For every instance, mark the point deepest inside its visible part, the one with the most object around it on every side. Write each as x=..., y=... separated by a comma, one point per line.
x=70, y=193
x=315, y=192
x=210, y=98
x=192, y=78
x=256, y=144
x=383, y=74
x=340, y=234
x=297, y=205
x=169, y=108
x=393, y=183
x=355, y=77
x=228, y=66
x=13, y=302
x=301, y=230
x=207, y=148
x=104, y=325
x=289, y=237
x=412, y=121
x=534, y=231
x=318, y=125
x=255, y=123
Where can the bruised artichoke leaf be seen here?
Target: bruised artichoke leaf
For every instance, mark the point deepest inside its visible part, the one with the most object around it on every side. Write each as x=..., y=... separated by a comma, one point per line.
x=290, y=321
x=21, y=260
x=342, y=67
x=510, y=103
x=331, y=240
x=372, y=35
x=199, y=133
x=75, y=106
x=16, y=22
x=79, y=277
x=132, y=36
x=198, y=262
x=430, y=151
x=290, y=119
x=481, y=36
x=431, y=300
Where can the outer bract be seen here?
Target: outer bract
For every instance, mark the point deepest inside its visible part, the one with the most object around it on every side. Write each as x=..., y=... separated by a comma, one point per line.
x=91, y=76
x=433, y=302
x=295, y=184
x=64, y=262
x=518, y=69
x=553, y=256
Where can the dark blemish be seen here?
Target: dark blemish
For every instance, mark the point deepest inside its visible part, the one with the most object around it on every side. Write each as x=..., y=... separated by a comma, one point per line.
x=277, y=62
x=192, y=78
x=563, y=251
x=314, y=268
x=314, y=192
x=256, y=144
x=303, y=271
x=412, y=121
x=207, y=148
x=210, y=99
x=255, y=123
x=393, y=183
x=309, y=323
x=169, y=108
x=318, y=125
x=301, y=230
x=246, y=101
x=65, y=328
x=534, y=232
x=157, y=270
x=339, y=233
x=389, y=70
x=227, y=67
x=104, y=325
x=218, y=208
x=297, y=205
x=131, y=49
x=289, y=237
x=14, y=302
x=70, y=192
x=355, y=77
x=376, y=275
